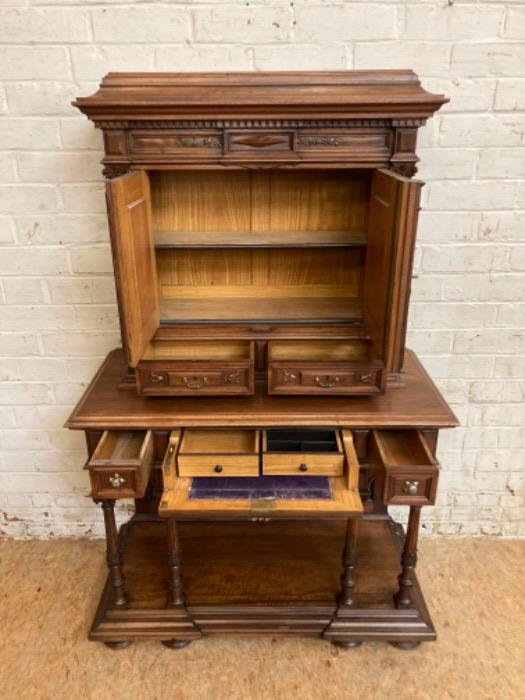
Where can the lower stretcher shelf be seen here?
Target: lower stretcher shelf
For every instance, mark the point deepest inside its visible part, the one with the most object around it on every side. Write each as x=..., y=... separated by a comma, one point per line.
x=262, y=578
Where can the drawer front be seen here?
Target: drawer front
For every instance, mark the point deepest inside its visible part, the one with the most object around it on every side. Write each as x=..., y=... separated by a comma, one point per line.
x=158, y=382
x=170, y=144
x=369, y=144
x=259, y=143
x=323, y=379
x=113, y=483
x=121, y=464
x=303, y=464
x=411, y=489
x=218, y=465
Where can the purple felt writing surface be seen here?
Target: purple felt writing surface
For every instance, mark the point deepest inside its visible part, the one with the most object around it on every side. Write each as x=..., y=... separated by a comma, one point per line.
x=248, y=488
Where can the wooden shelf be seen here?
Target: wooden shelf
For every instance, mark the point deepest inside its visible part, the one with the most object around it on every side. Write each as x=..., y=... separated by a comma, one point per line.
x=259, y=309
x=260, y=239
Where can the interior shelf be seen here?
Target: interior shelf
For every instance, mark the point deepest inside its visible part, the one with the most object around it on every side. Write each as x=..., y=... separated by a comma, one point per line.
x=259, y=309
x=262, y=239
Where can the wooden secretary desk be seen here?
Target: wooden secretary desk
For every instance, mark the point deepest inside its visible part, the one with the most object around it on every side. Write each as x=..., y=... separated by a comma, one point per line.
x=263, y=412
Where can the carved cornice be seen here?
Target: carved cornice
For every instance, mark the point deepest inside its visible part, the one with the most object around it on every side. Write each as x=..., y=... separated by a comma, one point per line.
x=247, y=123
x=408, y=122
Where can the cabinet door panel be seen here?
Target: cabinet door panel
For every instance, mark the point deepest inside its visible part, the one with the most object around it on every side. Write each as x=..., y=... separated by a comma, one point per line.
x=394, y=202
x=134, y=255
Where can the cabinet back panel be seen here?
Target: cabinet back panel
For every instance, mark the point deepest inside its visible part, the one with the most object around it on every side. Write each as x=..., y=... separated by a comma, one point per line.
x=325, y=200
x=261, y=267
x=260, y=283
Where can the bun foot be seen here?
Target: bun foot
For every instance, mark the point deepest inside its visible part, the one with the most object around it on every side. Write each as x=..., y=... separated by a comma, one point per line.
x=348, y=645
x=176, y=643
x=406, y=646
x=118, y=645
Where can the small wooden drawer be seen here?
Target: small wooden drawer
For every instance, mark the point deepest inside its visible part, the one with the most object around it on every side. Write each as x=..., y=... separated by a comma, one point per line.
x=121, y=464
x=407, y=472
x=219, y=453
x=302, y=453
x=322, y=367
x=203, y=368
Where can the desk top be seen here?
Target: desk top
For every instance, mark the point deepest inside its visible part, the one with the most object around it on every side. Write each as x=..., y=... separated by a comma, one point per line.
x=415, y=404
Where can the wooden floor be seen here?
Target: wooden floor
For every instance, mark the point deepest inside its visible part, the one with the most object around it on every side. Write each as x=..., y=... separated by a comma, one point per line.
x=476, y=595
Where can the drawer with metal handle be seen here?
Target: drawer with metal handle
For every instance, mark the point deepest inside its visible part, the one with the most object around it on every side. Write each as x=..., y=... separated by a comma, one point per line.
x=406, y=470
x=121, y=464
x=198, y=368
x=322, y=367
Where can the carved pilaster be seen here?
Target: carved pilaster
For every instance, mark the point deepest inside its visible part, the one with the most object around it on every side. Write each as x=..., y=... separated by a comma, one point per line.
x=112, y=170
x=404, y=158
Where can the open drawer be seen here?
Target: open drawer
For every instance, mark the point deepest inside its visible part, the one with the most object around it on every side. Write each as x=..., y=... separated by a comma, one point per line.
x=219, y=453
x=121, y=464
x=244, y=493
x=407, y=473
x=306, y=452
x=323, y=367
x=196, y=368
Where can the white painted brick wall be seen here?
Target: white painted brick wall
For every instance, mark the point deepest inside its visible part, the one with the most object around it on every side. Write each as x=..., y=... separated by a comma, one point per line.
x=57, y=299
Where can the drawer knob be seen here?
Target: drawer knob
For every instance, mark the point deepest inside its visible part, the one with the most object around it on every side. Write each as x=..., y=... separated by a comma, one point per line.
x=195, y=382
x=116, y=481
x=218, y=468
x=303, y=467
x=327, y=382
x=411, y=488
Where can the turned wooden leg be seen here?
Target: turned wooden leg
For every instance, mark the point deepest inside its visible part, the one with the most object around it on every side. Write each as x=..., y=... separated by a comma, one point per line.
x=175, y=596
x=113, y=556
x=408, y=560
x=349, y=564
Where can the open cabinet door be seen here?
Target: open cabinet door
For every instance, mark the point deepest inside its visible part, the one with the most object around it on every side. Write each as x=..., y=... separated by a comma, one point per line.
x=394, y=204
x=134, y=258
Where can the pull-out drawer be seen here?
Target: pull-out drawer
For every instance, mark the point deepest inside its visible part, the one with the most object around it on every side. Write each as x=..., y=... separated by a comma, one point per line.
x=330, y=489
x=407, y=473
x=121, y=464
x=302, y=452
x=201, y=368
x=326, y=367
x=219, y=453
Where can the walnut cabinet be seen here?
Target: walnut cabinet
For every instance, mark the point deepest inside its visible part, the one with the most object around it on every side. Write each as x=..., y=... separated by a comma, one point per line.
x=263, y=409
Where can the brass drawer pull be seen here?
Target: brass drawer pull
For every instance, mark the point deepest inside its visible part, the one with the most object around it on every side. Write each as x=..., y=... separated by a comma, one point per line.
x=327, y=382
x=116, y=481
x=195, y=382
x=411, y=488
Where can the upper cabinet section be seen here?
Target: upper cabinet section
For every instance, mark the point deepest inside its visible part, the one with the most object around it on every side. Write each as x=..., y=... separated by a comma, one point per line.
x=356, y=119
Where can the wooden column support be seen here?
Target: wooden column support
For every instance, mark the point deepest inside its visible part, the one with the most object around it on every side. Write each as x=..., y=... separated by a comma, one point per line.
x=175, y=596
x=116, y=577
x=409, y=560
x=349, y=563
